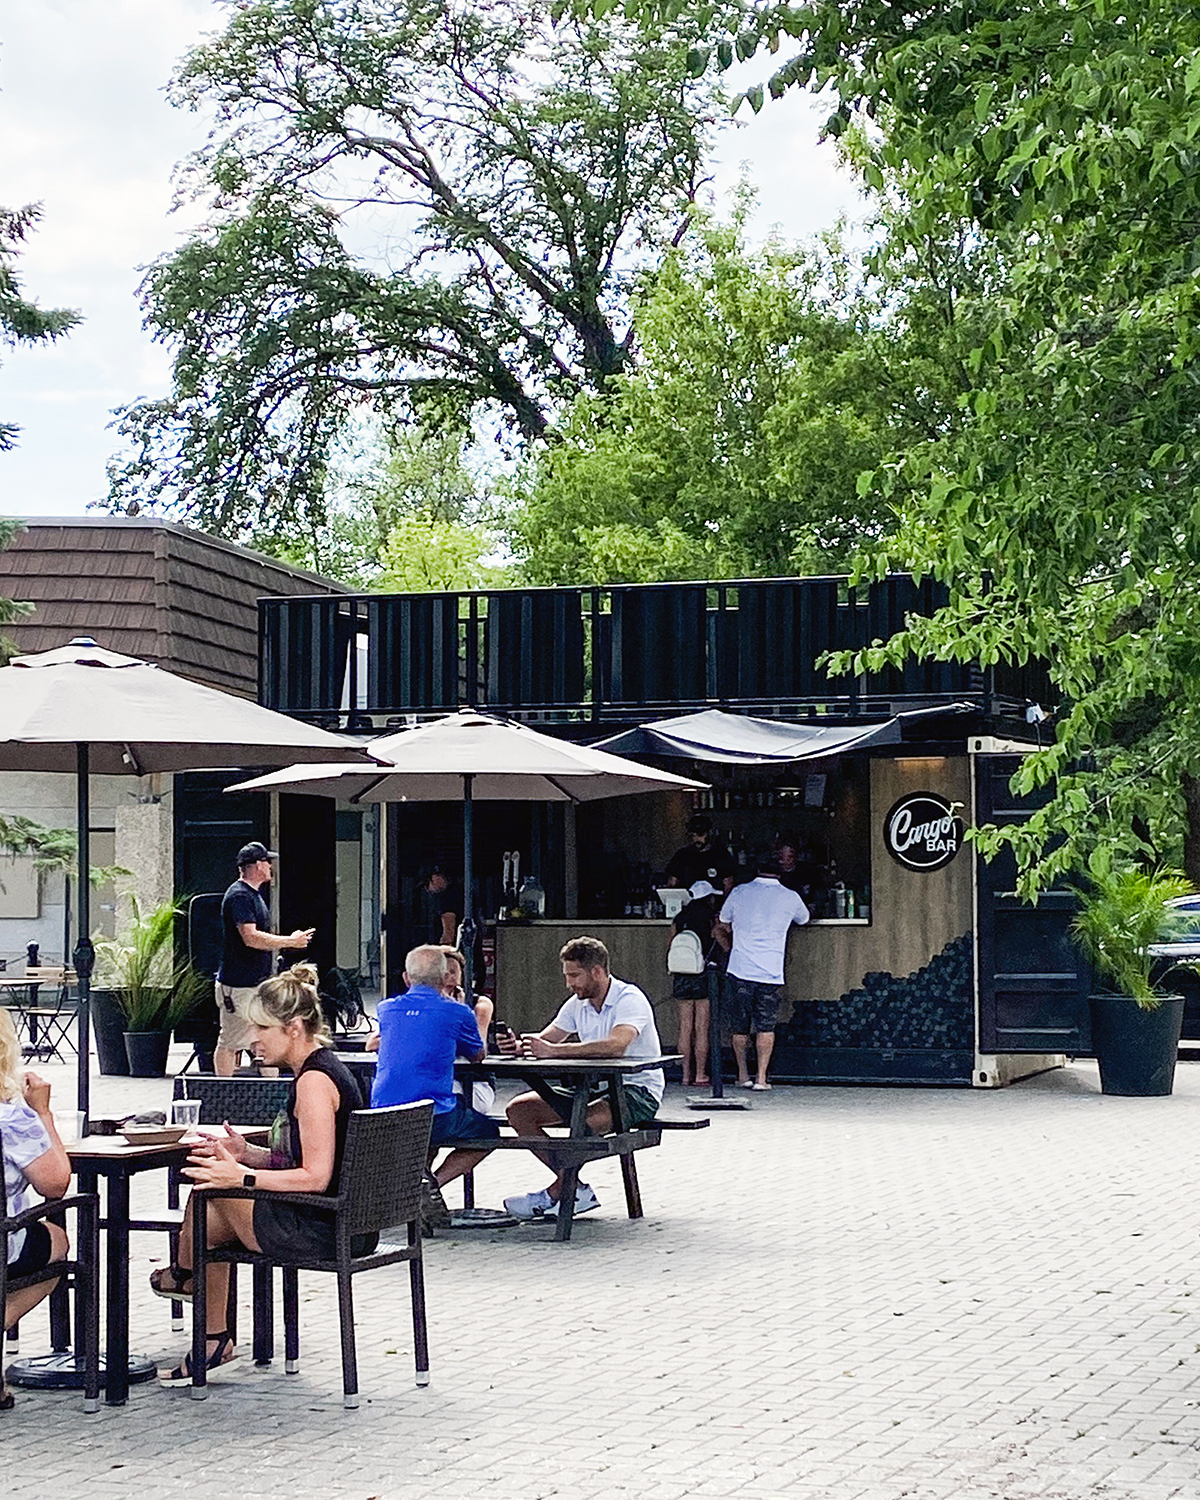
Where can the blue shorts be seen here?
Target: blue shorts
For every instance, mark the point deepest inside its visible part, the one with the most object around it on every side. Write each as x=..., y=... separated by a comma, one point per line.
x=462, y=1123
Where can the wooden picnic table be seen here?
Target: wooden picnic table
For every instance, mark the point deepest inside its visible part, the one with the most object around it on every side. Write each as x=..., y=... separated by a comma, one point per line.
x=583, y=1077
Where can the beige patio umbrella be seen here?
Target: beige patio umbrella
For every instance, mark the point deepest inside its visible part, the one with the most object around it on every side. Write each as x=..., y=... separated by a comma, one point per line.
x=474, y=757
x=84, y=709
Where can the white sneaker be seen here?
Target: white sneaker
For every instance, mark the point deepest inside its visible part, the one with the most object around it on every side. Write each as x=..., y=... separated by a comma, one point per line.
x=530, y=1205
x=585, y=1201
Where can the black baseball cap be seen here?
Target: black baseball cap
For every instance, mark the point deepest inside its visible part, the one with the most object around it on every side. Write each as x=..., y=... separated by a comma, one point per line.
x=250, y=854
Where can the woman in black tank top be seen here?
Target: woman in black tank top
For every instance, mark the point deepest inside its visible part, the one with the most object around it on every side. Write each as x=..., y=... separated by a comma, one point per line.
x=287, y=1029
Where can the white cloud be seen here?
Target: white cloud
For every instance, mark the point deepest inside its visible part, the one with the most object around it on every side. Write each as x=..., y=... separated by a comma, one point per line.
x=87, y=131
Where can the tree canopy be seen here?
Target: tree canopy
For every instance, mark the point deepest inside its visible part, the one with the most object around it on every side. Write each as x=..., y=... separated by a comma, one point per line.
x=766, y=380
x=514, y=169
x=1062, y=509
x=22, y=321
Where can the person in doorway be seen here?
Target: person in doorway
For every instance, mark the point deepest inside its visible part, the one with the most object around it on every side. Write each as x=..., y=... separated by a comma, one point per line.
x=755, y=920
x=447, y=906
x=701, y=858
x=420, y=1034
x=603, y=1016
x=691, y=990
x=248, y=951
x=34, y=1162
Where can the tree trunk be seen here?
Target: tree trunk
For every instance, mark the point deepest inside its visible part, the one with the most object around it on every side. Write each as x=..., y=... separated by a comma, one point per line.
x=1191, y=837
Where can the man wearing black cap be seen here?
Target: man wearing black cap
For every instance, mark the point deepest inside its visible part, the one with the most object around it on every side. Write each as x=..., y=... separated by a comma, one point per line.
x=701, y=858
x=246, y=954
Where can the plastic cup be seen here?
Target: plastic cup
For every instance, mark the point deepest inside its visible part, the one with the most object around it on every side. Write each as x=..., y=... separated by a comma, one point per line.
x=69, y=1124
x=185, y=1112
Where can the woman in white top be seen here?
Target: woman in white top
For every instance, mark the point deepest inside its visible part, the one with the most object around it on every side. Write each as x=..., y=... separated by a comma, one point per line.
x=34, y=1162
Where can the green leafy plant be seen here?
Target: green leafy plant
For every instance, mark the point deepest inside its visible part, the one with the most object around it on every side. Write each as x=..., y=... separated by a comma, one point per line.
x=154, y=989
x=1122, y=911
x=52, y=848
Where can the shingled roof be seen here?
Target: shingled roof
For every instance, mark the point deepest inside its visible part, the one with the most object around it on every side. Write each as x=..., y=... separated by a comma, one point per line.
x=148, y=588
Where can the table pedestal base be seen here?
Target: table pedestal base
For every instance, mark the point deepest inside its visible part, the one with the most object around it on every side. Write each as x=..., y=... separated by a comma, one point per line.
x=64, y=1372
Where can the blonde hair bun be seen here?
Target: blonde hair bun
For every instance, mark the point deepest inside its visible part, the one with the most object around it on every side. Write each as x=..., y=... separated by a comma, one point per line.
x=290, y=996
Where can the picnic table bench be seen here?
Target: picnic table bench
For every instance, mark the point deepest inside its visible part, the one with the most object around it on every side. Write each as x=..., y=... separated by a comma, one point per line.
x=569, y=1151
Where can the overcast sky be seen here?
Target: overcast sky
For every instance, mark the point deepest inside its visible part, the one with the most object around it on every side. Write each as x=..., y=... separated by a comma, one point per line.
x=85, y=130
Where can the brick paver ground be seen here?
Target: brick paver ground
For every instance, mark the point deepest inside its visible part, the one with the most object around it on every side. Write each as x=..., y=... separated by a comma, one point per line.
x=844, y=1294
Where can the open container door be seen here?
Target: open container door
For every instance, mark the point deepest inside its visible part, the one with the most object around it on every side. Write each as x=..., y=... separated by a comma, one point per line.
x=1032, y=983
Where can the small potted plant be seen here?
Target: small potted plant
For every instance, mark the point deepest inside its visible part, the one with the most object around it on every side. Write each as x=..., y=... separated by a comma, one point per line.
x=1135, y=1023
x=153, y=988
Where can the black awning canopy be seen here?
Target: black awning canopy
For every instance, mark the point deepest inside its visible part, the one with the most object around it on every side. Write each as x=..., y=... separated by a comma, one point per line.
x=742, y=740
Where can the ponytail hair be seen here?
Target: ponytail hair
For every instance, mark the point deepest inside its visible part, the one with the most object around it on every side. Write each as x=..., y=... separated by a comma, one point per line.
x=291, y=996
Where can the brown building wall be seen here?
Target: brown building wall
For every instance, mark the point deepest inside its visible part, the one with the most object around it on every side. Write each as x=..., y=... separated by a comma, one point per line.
x=148, y=588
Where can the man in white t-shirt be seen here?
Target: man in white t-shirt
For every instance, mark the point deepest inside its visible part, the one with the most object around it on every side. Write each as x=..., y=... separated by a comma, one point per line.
x=756, y=919
x=602, y=1017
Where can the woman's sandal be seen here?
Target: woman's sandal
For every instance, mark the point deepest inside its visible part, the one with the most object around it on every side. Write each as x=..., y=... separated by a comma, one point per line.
x=223, y=1354
x=180, y=1287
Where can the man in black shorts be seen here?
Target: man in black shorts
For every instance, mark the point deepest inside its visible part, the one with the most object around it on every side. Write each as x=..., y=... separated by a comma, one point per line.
x=248, y=950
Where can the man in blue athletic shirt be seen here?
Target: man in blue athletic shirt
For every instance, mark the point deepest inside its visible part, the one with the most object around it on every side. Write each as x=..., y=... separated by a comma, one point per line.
x=420, y=1034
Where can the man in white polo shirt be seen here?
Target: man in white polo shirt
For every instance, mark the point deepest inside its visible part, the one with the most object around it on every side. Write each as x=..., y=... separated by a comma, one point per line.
x=757, y=917
x=602, y=1017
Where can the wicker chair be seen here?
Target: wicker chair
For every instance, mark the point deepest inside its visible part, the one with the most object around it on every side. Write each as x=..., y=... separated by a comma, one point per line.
x=81, y=1270
x=248, y=1101
x=380, y=1189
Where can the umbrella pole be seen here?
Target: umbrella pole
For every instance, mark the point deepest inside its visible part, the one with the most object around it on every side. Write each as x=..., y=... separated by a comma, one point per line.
x=468, y=930
x=85, y=954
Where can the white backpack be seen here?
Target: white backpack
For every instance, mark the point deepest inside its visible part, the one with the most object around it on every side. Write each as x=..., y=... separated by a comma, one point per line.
x=686, y=954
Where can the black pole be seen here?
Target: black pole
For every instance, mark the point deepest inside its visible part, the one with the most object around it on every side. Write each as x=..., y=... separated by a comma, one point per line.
x=468, y=929
x=85, y=954
x=714, y=1031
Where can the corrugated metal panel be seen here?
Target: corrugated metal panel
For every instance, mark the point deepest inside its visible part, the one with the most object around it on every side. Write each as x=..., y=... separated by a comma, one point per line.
x=151, y=589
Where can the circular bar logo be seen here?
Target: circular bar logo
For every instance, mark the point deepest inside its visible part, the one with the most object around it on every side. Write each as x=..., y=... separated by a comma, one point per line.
x=922, y=832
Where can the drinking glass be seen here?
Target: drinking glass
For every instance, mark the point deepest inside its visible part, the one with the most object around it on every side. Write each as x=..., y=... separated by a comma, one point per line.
x=185, y=1112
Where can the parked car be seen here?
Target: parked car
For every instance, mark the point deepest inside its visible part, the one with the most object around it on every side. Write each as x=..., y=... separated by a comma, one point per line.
x=1177, y=953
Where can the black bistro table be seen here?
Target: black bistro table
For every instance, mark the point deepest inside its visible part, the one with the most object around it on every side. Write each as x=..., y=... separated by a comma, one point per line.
x=584, y=1078
x=112, y=1158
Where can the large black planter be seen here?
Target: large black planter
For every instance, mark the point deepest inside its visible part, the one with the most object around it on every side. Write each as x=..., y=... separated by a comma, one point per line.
x=108, y=1029
x=1136, y=1048
x=147, y=1053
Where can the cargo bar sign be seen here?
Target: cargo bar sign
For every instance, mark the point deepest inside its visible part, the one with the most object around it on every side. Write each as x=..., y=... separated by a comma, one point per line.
x=922, y=832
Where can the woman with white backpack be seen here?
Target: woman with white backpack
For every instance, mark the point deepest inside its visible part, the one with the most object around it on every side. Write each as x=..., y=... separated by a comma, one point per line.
x=694, y=946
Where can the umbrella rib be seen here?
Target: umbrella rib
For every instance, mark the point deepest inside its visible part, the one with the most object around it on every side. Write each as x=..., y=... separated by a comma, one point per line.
x=558, y=786
x=370, y=787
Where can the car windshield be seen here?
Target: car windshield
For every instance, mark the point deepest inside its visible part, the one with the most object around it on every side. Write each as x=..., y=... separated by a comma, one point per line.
x=1181, y=924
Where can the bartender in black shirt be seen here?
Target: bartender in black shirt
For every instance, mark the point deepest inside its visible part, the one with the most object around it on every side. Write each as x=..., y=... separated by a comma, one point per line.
x=701, y=858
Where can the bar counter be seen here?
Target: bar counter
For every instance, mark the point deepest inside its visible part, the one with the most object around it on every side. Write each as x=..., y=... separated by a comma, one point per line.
x=529, y=988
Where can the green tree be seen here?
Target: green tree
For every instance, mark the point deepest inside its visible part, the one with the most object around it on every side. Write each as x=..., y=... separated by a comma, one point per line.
x=22, y=321
x=1063, y=508
x=422, y=513
x=511, y=171
x=765, y=381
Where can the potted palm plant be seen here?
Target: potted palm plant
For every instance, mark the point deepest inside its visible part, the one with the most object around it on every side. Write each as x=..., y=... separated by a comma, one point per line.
x=1135, y=1023
x=154, y=989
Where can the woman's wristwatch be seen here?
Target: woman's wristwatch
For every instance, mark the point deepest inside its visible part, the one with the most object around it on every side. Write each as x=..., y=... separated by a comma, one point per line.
x=250, y=1179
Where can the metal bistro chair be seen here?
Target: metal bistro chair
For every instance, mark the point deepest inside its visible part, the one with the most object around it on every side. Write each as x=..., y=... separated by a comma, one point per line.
x=50, y=1024
x=380, y=1189
x=81, y=1269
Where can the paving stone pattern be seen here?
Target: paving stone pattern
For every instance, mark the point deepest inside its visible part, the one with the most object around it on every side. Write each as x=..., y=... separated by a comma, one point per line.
x=859, y=1294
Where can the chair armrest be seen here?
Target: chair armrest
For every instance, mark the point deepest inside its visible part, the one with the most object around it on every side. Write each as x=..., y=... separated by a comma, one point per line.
x=311, y=1200
x=44, y=1210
